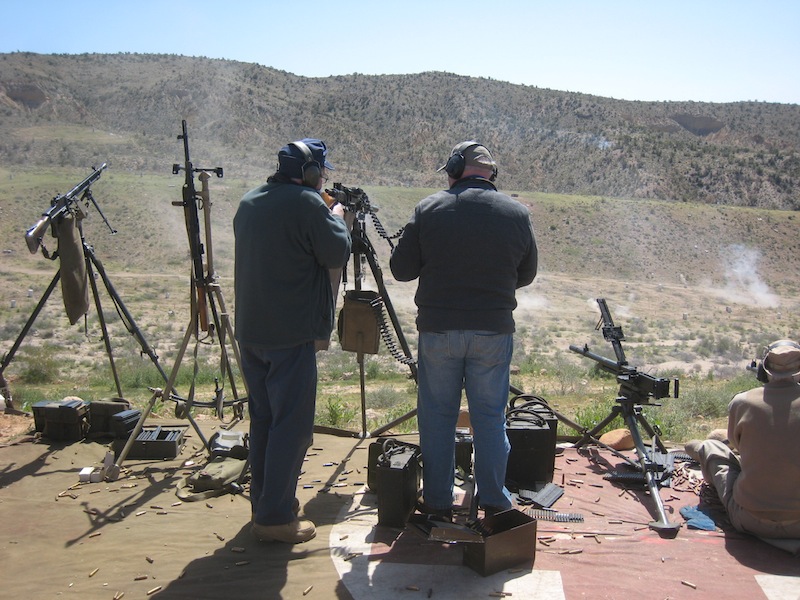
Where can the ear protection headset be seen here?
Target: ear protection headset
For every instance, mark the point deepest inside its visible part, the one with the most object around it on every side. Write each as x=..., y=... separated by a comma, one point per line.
x=761, y=372
x=457, y=163
x=311, y=169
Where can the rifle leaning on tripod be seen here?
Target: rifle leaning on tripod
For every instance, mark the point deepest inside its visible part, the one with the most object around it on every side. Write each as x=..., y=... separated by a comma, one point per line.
x=190, y=201
x=635, y=389
x=62, y=205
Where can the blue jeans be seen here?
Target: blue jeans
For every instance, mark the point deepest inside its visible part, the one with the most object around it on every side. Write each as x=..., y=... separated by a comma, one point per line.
x=479, y=362
x=282, y=390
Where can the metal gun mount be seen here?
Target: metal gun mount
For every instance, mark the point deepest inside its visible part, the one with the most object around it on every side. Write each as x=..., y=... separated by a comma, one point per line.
x=635, y=389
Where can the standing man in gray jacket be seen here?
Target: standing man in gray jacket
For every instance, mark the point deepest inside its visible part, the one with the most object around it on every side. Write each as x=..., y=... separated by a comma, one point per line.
x=287, y=239
x=471, y=247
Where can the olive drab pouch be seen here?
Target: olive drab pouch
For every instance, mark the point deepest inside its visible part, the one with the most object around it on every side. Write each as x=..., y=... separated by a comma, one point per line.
x=358, y=326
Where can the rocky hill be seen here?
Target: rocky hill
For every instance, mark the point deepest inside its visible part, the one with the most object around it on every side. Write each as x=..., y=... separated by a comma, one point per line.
x=75, y=110
x=680, y=214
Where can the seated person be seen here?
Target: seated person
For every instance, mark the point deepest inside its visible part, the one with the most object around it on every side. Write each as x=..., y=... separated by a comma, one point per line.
x=757, y=478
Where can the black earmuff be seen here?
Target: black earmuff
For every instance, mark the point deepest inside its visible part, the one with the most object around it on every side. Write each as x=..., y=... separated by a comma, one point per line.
x=311, y=169
x=761, y=373
x=457, y=163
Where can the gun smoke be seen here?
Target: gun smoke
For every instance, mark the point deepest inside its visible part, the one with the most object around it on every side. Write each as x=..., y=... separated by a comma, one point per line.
x=742, y=281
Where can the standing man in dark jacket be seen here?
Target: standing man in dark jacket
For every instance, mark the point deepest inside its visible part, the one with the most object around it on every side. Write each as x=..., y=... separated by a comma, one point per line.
x=286, y=241
x=471, y=247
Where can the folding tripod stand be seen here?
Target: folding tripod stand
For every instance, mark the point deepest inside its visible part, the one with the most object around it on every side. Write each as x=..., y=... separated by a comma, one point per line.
x=355, y=200
x=636, y=389
x=62, y=206
x=205, y=294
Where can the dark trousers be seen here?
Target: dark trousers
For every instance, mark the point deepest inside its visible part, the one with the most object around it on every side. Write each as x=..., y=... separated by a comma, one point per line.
x=282, y=388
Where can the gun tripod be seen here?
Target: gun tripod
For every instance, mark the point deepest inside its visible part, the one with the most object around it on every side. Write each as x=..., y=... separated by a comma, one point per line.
x=92, y=264
x=205, y=296
x=380, y=304
x=636, y=389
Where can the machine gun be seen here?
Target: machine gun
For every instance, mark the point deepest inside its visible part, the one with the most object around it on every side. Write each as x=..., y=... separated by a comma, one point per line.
x=61, y=205
x=635, y=386
x=353, y=199
x=190, y=201
x=635, y=389
x=363, y=256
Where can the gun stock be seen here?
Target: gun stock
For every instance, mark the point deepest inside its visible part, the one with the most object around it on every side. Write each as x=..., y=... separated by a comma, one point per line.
x=34, y=235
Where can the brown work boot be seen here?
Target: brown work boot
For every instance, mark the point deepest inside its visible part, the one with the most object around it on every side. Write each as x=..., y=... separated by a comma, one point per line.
x=295, y=509
x=295, y=532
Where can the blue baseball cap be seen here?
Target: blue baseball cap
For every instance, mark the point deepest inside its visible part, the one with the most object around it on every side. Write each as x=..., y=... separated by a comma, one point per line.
x=291, y=157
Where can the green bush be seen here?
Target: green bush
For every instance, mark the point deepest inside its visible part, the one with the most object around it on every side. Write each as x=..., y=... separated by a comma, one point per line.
x=41, y=365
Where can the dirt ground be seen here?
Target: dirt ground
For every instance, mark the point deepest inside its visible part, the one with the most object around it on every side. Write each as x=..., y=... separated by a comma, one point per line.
x=14, y=427
x=133, y=537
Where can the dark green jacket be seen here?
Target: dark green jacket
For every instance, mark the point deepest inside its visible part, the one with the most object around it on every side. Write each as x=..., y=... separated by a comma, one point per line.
x=286, y=240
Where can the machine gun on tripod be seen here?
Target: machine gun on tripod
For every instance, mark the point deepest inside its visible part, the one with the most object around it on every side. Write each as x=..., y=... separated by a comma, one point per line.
x=62, y=207
x=356, y=201
x=207, y=311
x=635, y=389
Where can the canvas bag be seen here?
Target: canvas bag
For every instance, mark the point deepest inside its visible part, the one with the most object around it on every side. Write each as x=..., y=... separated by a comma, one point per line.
x=220, y=476
x=358, y=324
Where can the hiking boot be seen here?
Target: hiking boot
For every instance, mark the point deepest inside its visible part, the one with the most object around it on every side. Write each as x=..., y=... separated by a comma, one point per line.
x=295, y=510
x=295, y=532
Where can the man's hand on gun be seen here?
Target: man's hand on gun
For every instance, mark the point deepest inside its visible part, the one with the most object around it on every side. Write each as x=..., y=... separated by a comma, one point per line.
x=338, y=209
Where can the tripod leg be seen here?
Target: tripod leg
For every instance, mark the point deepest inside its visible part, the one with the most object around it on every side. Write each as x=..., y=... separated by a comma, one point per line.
x=592, y=433
x=127, y=319
x=663, y=525
x=224, y=334
x=167, y=394
x=378, y=276
x=113, y=472
x=651, y=431
x=101, y=318
x=26, y=328
x=362, y=387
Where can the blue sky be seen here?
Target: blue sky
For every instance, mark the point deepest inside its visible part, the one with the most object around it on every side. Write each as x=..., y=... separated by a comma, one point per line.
x=701, y=50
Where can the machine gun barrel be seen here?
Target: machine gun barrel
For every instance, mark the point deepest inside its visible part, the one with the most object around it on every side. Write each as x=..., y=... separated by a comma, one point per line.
x=58, y=207
x=605, y=363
